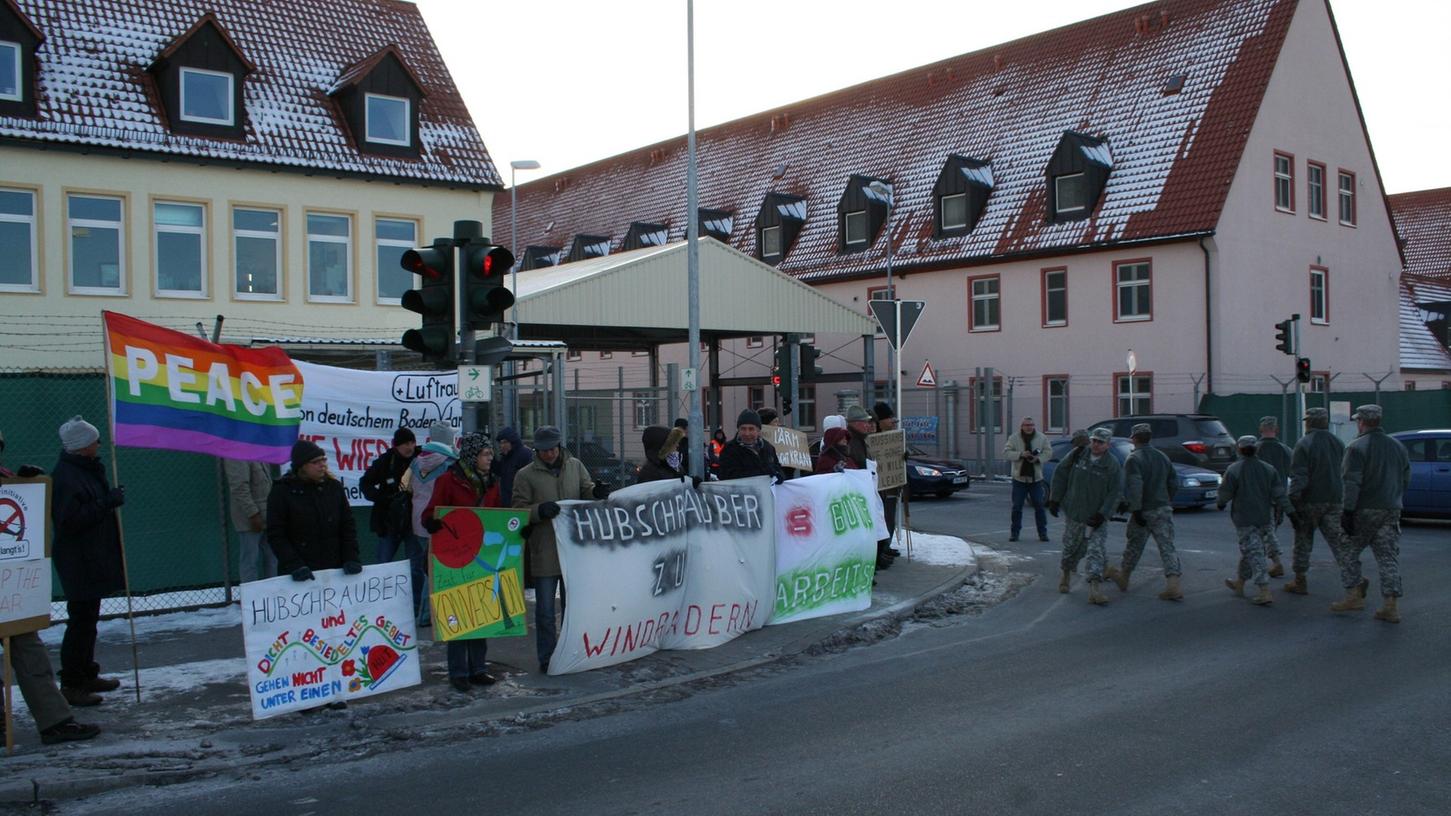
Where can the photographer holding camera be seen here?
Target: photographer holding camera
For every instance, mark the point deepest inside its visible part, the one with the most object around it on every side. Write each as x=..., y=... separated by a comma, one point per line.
x=1026, y=450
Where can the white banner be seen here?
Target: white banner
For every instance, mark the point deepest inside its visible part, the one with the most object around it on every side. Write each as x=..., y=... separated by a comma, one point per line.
x=352, y=414
x=826, y=544
x=24, y=568
x=337, y=637
x=661, y=565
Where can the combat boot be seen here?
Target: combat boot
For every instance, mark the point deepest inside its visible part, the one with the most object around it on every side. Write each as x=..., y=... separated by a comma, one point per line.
x=1118, y=576
x=1235, y=585
x=1297, y=586
x=1352, y=602
x=1388, y=611
x=1095, y=595
x=1263, y=598
x=1277, y=569
x=1063, y=582
x=1171, y=590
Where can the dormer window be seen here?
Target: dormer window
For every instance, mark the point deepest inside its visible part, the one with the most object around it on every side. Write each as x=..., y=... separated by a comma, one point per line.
x=643, y=234
x=387, y=119
x=854, y=227
x=862, y=211
x=539, y=257
x=777, y=225
x=10, y=89
x=588, y=246
x=18, y=41
x=716, y=224
x=961, y=194
x=206, y=97
x=770, y=242
x=1077, y=174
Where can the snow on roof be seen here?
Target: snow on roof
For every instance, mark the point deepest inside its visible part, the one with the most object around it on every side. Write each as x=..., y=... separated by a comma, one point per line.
x=1419, y=347
x=94, y=89
x=1009, y=105
x=1423, y=221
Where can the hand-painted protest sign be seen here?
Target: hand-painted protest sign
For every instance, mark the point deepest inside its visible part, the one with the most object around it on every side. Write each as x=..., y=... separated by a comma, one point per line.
x=24, y=555
x=792, y=449
x=826, y=544
x=921, y=430
x=336, y=638
x=353, y=414
x=173, y=391
x=477, y=573
x=663, y=565
x=889, y=450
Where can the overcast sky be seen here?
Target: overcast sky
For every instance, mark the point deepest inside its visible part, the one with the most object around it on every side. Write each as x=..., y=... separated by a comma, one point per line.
x=566, y=82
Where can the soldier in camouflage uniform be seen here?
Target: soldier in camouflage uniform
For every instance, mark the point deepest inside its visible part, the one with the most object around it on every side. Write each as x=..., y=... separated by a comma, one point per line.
x=1278, y=455
x=1091, y=491
x=1376, y=471
x=1258, y=495
x=1315, y=493
x=1149, y=485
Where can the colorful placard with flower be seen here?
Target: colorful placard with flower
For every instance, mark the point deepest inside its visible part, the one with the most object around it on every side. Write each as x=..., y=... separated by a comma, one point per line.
x=476, y=566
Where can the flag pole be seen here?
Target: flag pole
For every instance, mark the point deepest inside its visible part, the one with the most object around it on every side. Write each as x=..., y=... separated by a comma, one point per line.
x=120, y=528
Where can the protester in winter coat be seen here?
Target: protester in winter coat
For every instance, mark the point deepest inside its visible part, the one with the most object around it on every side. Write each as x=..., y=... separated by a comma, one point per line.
x=860, y=425
x=469, y=482
x=1257, y=495
x=248, y=485
x=48, y=706
x=748, y=454
x=1376, y=471
x=513, y=455
x=431, y=463
x=1316, y=492
x=309, y=523
x=381, y=484
x=1094, y=485
x=554, y=476
x=1024, y=451
x=827, y=423
x=1278, y=455
x=86, y=552
x=659, y=444
x=1149, y=486
x=835, y=457
x=713, y=451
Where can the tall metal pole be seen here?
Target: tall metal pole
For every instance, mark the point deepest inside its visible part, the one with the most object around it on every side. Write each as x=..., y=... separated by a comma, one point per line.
x=892, y=293
x=1299, y=386
x=511, y=389
x=692, y=239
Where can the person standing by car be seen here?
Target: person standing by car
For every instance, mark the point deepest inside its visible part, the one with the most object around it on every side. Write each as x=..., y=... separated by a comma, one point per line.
x=1258, y=495
x=1376, y=471
x=1094, y=484
x=1149, y=486
x=1277, y=455
x=1025, y=451
x=1316, y=491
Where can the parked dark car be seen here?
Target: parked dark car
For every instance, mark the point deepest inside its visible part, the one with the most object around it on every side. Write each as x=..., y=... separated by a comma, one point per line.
x=1198, y=486
x=929, y=475
x=1429, y=493
x=1190, y=439
x=603, y=465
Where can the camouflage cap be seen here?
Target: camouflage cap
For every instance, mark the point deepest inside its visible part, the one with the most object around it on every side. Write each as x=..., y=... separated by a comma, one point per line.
x=1101, y=434
x=1317, y=413
x=1141, y=428
x=1269, y=422
x=1080, y=436
x=1367, y=412
x=1248, y=441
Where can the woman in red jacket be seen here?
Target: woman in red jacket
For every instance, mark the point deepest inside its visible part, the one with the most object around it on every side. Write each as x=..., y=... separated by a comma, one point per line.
x=466, y=483
x=834, y=456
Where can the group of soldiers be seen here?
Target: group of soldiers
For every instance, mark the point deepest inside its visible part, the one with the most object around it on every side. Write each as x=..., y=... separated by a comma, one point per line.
x=1351, y=494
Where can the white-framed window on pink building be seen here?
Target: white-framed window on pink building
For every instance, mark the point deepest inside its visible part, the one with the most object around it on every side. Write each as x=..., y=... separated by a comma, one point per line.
x=1319, y=295
x=986, y=313
x=1055, y=403
x=1346, y=189
x=1134, y=393
x=1133, y=290
x=1055, y=297
x=1315, y=187
x=1284, y=182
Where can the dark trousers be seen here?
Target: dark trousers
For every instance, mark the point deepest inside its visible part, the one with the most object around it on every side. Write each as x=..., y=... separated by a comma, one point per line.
x=467, y=657
x=78, y=647
x=1032, y=491
x=546, y=633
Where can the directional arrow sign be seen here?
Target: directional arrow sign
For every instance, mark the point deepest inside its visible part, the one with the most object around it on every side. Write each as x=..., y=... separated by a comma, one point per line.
x=886, y=311
x=475, y=383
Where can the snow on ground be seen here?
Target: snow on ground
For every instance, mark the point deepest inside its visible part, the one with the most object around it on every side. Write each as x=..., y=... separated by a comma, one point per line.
x=118, y=630
x=159, y=681
x=941, y=550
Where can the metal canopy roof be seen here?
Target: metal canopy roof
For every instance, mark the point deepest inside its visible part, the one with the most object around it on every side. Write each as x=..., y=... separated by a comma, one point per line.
x=638, y=299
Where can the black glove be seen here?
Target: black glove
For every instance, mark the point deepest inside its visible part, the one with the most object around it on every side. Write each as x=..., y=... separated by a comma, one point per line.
x=1096, y=520
x=601, y=491
x=1219, y=507
x=695, y=482
x=526, y=531
x=1053, y=508
x=29, y=472
x=1123, y=507
x=302, y=574
x=432, y=525
x=352, y=567
x=1138, y=517
x=1347, y=522
x=116, y=497
x=548, y=510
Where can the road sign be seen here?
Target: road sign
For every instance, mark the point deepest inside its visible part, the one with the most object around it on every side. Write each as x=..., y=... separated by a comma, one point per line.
x=689, y=379
x=886, y=311
x=928, y=377
x=475, y=383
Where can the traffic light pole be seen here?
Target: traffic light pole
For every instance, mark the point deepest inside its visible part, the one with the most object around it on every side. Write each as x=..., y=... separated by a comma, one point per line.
x=1299, y=386
x=793, y=378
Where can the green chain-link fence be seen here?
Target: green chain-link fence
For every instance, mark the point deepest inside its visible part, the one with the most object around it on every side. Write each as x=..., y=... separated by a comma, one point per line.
x=1403, y=410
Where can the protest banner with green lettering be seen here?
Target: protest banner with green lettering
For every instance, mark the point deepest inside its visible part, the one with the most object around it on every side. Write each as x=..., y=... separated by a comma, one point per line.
x=478, y=576
x=826, y=544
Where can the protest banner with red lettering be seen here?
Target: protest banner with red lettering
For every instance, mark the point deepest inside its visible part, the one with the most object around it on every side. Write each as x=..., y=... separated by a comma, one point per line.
x=336, y=638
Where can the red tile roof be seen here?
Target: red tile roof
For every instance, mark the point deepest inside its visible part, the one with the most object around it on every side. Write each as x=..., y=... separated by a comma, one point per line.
x=1174, y=153
x=94, y=90
x=1423, y=222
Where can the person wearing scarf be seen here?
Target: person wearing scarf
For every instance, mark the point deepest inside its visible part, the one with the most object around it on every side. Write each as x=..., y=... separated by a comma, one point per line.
x=835, y=454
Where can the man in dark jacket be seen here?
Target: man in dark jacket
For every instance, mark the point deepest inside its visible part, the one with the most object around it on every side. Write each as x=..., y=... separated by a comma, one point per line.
x=86, y=551
x=1090, y=495
x=1277, y=455
x=1257, y=494
x=658, y=444
x=1149, y=486
x=309, y=523
x=513, y=457
x=1376, y=471
x=380, y=485
x=748, y=454
x=1315, y=493
x=860, y=425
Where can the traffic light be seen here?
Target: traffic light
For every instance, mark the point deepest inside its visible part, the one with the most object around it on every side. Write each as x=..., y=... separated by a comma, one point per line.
x=434, y=339
x=781, y=373
x=1302, y=369
x=809, y=369
x=1283, y=337
x=485, y=297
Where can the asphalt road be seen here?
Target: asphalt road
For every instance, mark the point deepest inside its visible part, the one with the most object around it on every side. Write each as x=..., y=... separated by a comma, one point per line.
x=1041, y=705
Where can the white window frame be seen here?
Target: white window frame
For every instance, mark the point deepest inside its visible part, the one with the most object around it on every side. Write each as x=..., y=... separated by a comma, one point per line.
x=31, y=222
x=231, y=119
x=1133, y=395
x=1322, y=302
x=18, y=51
x=406, y=141
x=942, y=209
x=1049, y=289
x=771, y=231
x=274, y=237
x=1058, y=193
x=1285, y=182
x=119, y=226
x=756, y=396
x=1119, y=284
x=1050, y=398
x=158, y=229
x=1315, y=190
x=390, y=242
x=346, y=241
x=985, y=297
x=1343, y=195
x=858, y=217
x=756, y=341
x=644, y=405
x=1319, y=383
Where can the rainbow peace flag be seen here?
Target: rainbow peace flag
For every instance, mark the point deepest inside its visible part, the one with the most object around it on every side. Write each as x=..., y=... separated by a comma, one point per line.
x=173, y=391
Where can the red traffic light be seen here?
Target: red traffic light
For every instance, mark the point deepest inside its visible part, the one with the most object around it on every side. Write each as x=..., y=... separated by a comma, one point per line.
x=487, y=260
x=429, y=263
x=776, y=379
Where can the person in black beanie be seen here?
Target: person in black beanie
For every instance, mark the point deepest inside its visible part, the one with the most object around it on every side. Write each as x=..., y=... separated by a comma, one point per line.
x=748, y=454
x=309, y=523
x=381, y=485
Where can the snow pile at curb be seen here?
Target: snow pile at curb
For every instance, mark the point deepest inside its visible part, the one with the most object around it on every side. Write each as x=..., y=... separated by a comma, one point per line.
x=939, y=550
x=118, y=630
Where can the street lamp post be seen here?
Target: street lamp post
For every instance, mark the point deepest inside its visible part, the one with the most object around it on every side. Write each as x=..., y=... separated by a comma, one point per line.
x=511, y=406
x=884, y=190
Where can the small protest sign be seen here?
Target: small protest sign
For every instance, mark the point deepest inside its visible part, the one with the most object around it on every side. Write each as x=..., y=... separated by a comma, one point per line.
x=889, y=449
x=475, y=561
x=24, y=550
x=792, y=449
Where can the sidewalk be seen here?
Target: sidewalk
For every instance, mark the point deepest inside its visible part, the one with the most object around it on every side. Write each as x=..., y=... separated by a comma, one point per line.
x=194, y=719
